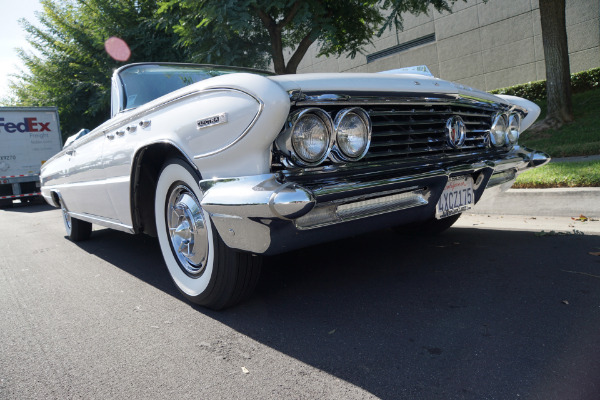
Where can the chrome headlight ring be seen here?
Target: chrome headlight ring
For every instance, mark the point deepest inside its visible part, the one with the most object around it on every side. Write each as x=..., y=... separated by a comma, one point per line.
x=498, y=130
x=345, y=147
x=311, y=128
x=514, y=128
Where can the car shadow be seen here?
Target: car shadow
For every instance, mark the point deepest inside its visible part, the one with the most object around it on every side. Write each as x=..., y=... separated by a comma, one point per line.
x=29, y=208
x=469, y=314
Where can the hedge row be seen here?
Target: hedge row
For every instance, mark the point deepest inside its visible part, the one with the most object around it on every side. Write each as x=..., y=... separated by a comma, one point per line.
x=580, y=82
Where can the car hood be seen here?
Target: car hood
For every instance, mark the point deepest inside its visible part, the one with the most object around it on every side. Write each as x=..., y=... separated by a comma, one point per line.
x=416, y=84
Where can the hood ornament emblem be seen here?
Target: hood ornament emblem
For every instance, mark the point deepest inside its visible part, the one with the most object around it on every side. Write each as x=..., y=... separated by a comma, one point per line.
x=456, y=131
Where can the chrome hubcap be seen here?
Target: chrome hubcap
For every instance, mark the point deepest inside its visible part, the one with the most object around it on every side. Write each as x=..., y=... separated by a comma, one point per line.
x=187, y=230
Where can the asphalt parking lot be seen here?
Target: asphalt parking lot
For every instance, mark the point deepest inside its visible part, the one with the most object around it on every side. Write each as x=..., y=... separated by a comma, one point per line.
x=496, y=308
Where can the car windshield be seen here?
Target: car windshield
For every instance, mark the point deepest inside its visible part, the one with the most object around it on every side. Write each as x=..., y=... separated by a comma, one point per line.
x=146, y=82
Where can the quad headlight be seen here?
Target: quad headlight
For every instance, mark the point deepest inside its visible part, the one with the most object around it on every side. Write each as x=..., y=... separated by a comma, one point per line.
x=352, y=134
x=498, y=131
x=505, y=129
x=311, y=136
x=308, y=139
x=514, y=128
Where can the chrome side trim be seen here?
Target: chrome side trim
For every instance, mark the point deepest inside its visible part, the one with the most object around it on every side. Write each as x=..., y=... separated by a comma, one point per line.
x=94, y=219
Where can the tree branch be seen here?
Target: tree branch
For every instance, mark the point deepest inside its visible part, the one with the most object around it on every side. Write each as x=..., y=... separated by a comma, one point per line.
x=266, y=19
x=301, y=50
x=276, y=42
x=291, y=15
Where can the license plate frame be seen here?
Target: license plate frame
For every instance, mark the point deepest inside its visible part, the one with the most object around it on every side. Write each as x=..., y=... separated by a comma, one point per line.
x=457, y=197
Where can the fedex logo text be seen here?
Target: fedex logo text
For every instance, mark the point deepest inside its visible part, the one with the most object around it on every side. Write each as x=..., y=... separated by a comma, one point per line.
x=28, y=125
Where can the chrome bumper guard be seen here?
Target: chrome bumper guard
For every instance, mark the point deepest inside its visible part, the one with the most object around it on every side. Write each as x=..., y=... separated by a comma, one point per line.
x=262, y=214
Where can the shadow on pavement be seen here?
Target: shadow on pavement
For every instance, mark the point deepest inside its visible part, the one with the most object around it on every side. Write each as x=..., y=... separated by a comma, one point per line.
x=34, y=206
x=468, y=314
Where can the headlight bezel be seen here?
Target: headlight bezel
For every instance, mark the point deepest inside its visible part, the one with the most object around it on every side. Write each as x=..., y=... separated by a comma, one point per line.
x=514, y=121
x=338, y=154
x=285, y=140
x=499, y=138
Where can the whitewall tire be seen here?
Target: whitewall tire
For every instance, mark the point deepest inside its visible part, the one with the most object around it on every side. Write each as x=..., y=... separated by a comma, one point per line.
x=204, y=269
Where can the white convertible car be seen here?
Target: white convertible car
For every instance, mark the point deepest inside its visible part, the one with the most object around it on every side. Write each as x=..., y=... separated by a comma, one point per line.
x=226, y=164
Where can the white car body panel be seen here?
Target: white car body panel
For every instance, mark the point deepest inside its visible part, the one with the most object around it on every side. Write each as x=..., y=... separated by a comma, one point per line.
x=93, y=175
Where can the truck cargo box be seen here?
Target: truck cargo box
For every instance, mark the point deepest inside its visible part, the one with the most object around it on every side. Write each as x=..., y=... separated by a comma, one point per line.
x=28, y=137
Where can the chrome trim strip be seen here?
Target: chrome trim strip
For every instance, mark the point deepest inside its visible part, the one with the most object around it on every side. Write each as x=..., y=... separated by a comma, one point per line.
x=94, y=219
x=423, y=161
x=332, y=213
x=408, y=98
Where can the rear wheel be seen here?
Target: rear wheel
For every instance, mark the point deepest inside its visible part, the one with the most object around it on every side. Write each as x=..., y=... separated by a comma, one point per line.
x=77, y=230
x=204, y=269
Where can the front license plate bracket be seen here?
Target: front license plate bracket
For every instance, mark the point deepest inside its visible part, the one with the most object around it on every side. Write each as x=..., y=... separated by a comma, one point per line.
x=457, y=197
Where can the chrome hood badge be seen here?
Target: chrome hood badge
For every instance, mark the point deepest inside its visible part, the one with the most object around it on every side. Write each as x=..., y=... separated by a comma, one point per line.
x=211, y=121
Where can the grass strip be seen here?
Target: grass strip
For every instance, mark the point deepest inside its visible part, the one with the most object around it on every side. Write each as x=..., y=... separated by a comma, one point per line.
x=561, y=174
x=579, y=138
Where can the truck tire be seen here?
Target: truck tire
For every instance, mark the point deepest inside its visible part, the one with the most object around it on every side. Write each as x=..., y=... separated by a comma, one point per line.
x=204, y=269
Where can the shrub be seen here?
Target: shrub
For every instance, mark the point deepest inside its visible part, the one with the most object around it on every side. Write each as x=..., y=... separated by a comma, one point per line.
x=580, y=82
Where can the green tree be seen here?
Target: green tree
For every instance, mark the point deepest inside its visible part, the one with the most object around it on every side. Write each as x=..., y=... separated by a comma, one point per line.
x=556, y=54
x=70, y=68
x=267, y=29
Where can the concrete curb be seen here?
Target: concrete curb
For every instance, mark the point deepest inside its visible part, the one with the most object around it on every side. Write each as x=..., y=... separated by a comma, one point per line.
x=561, y=202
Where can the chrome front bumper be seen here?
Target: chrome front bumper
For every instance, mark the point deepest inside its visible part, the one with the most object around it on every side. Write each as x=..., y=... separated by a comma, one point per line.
x=269, y=214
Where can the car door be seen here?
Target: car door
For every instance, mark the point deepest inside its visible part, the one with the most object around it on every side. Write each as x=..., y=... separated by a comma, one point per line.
x=84, y=190
x=117, y=158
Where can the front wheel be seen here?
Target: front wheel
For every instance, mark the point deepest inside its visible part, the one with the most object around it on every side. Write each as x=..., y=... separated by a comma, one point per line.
x=204, y=269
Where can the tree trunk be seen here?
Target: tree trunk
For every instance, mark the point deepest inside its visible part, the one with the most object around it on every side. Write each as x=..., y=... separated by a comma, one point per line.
x=558, y=77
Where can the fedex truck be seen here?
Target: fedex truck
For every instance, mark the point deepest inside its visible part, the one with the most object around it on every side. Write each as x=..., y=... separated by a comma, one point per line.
x=28, y=137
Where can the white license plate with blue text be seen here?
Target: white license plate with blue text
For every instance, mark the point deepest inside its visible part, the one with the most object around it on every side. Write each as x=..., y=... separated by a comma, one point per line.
x=457, y=197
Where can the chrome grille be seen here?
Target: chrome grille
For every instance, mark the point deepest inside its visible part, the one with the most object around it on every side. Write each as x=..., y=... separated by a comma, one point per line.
x=408, y=128
x=402, y=131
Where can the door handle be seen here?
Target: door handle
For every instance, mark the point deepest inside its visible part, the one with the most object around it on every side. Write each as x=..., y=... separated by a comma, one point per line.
x=110, y=136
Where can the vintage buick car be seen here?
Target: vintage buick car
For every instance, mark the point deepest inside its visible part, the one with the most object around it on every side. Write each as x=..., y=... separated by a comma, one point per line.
x=226, y=164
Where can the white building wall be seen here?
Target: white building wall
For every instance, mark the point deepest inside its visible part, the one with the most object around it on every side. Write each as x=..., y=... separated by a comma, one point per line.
x=483, y=45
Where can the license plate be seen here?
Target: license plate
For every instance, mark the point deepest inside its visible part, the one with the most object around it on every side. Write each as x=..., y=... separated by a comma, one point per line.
x=457, y=197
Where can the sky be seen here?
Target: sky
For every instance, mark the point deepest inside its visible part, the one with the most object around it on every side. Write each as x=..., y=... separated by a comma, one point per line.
x=12, y=36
